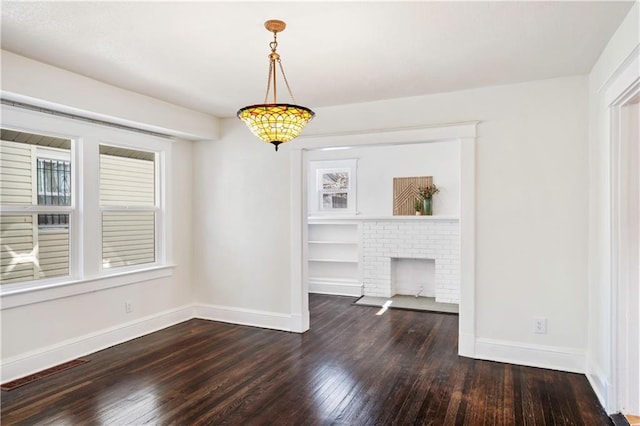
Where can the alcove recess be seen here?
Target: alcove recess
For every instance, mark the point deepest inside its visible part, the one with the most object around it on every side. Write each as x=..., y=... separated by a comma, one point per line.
x=334, y=257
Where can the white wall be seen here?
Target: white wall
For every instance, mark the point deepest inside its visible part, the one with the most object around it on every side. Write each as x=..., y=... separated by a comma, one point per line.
x=620, y=47
x=241, y=218
x=42, y=330
x=44, y=333
x=377, y=166
x=29, y=81
x=531, y=201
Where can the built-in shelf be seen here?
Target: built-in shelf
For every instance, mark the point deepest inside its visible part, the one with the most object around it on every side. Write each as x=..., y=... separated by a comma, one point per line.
x=334, y=258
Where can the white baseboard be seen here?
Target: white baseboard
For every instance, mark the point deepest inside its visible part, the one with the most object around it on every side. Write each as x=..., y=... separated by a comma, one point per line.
x=598, y=381
x=299, y=323
x=38, y=360
x=337, y=287
x=551, y=357
x=467, y=345
x=243, y=316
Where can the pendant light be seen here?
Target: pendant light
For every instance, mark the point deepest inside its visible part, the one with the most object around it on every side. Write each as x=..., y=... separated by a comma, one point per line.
x=275, y=122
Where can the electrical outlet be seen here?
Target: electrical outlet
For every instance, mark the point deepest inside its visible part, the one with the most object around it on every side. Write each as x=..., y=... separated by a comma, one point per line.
x=128, y=306
x=540, y=325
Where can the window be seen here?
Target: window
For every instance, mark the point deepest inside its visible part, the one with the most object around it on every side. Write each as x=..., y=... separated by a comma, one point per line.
x=332, y=188
x=36, y=203
x=54, y=189
x=88, y=209
x=128, y=205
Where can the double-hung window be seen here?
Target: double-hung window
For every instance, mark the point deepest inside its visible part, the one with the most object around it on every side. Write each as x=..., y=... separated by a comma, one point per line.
x=37, y=206
x=88, y=209
x=129, y=206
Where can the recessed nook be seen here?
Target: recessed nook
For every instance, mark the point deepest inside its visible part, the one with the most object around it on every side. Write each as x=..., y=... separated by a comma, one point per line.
x=459, y=135
x=413, y=277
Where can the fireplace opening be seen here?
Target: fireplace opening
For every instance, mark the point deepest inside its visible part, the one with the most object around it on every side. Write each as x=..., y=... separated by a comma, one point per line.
x=413, y=277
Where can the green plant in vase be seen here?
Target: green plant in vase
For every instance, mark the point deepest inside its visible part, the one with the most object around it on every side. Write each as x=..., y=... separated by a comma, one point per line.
x=427, y=193
x=418, y=206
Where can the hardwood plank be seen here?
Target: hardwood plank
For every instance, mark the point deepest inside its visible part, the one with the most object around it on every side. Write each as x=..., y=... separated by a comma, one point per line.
x=351, y=368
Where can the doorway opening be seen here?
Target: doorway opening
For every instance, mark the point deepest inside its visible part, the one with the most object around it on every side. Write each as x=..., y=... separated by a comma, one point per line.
x=464, y=135
x=413, y=277
x=625, y=274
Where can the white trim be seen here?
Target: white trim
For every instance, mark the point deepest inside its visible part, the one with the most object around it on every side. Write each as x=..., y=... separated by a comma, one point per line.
x=551, y=357
x=615, y=84
x=425, y=134
x=315, y=185
x=85, y=227
x=335, y=287
x=460, y=130
x=299, y=288
x=622, y=394
x=464, y=132
x=466, y=344
x=34, y=361
x=40, y=359
x=467, y=308
x=598, y=381
x=242, y=316
x=35, y=209
x=56, y=289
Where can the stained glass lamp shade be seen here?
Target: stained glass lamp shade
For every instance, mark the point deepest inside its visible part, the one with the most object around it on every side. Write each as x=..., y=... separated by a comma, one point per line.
x=275, y=123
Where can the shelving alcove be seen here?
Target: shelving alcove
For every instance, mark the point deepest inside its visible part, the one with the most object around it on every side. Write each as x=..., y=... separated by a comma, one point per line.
x=334, y=256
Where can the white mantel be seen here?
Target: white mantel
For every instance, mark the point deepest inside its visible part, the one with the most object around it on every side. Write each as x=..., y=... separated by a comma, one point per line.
x=316, y=219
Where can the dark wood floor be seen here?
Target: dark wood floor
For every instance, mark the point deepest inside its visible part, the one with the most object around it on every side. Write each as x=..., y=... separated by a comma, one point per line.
x=351, y=368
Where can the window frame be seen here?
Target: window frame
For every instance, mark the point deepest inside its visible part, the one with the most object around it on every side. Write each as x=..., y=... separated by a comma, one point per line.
x=320, y=168
x=159, y=252
x=322, y=191
x=85, y=244
x=34, y=209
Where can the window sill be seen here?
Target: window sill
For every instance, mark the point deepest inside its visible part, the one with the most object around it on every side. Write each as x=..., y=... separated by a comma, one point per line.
x=12, y=298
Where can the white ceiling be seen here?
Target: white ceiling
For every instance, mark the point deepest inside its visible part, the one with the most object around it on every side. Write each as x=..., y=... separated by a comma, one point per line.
x=212, y=56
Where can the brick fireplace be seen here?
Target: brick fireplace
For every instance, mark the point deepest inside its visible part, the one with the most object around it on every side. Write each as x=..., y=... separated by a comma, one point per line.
x=433, y=238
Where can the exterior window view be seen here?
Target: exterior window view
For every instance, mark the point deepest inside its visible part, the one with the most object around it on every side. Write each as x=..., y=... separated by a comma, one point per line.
x=36, y=198
x=335, y=186
x=128, y=204
x=38, y=209
x=54, y=189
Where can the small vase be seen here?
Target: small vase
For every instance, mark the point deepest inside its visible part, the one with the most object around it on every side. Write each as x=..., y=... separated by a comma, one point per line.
x=427, y=206
x=418, y=212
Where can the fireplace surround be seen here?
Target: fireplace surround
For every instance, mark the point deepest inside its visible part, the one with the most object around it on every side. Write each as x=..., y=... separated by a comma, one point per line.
x=436, y=238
